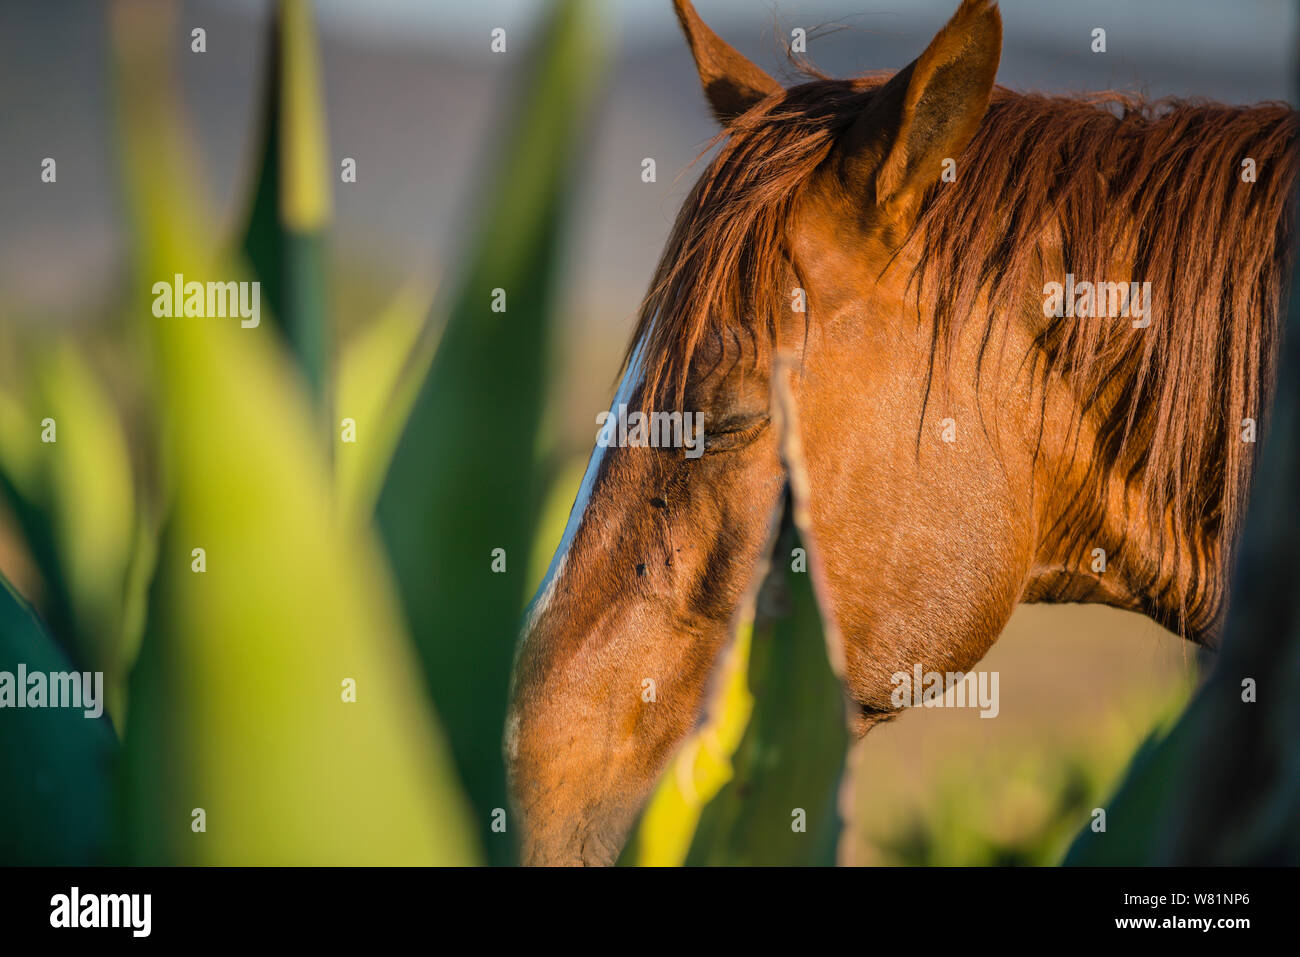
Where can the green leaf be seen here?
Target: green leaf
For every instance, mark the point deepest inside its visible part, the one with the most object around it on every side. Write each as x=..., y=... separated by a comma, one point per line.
x=464, y=479
x=285, y=234
x=380, y=370
x=790, y=762
x=74, y=501
x=239, y=705
x=55, y=762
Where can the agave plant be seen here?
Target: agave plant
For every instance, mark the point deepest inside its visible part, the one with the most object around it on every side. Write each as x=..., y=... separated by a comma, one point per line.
x=274, y=582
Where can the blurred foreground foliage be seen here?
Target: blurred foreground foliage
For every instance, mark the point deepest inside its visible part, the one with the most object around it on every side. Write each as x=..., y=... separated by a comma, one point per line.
x=270, y=652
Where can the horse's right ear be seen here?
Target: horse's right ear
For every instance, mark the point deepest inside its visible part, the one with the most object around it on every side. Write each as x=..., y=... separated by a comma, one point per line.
x=731, y=83
x=929, y=110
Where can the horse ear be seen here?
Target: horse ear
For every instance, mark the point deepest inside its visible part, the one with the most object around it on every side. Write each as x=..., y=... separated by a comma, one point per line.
x=936, y=103
x=732, y=83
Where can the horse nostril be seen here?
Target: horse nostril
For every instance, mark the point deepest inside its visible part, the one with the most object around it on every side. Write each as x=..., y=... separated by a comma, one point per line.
x=640, y=570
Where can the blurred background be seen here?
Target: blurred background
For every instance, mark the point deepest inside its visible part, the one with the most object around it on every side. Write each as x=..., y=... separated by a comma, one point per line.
x=413, y=92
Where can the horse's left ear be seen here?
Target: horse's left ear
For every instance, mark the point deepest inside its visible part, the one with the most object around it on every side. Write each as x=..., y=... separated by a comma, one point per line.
x=933, y=106
x=731, y=83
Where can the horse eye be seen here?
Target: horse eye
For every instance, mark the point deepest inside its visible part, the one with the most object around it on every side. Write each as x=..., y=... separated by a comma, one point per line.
x=741, y=422
x=735, y=432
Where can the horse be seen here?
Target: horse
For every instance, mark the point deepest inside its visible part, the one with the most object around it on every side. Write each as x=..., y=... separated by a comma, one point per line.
x=971, y=440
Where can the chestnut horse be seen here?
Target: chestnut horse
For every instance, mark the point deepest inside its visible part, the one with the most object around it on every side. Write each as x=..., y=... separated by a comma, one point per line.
x=973, y=439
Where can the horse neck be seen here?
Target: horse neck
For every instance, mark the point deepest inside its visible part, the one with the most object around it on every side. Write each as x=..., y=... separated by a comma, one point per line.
x=1096, y=544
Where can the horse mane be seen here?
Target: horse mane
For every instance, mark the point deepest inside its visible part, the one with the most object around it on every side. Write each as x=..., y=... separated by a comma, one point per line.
x=727, y=255
x=1151, y=191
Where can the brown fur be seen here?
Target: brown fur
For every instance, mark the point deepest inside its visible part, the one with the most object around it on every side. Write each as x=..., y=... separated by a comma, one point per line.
x=924, y=304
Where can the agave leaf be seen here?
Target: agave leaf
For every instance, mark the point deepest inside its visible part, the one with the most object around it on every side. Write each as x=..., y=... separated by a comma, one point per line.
x=379, y=371
x=56, y=762
x=284, y=238
x=74, y=501
x=240, y=701
x=464, y=479
x=781, y=805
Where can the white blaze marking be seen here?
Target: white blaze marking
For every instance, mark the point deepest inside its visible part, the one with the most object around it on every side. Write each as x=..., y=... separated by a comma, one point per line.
x=546, y=591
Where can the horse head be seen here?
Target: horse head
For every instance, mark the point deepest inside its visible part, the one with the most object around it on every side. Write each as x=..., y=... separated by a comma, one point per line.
x=969, y=445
